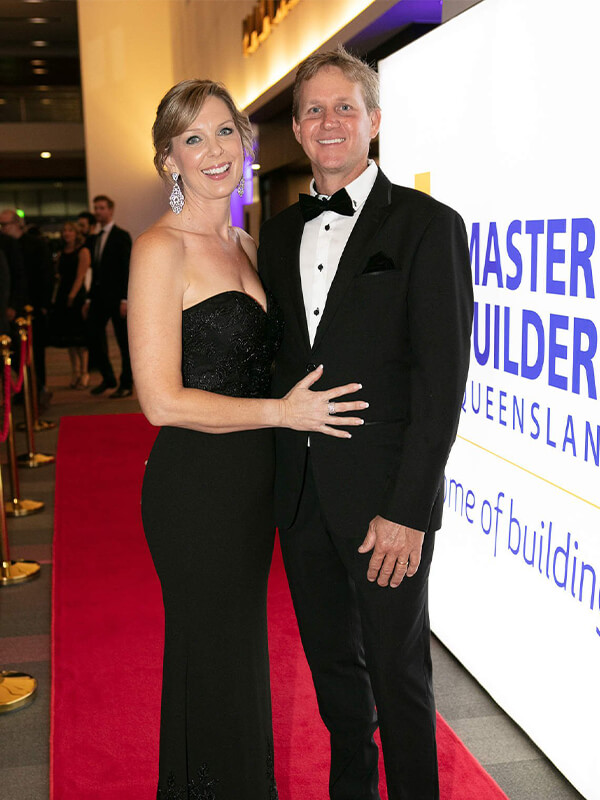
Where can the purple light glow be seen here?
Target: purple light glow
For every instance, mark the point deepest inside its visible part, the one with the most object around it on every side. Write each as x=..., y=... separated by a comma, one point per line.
x=237, y=202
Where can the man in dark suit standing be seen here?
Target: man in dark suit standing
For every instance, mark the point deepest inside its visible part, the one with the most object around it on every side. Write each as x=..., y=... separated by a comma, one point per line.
x=111, y=249
x=375, y=284
x=37, y=287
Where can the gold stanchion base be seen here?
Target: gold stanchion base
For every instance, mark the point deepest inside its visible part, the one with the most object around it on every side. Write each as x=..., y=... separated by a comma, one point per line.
x=17, y=690
x=18, y=571
x=23, y=508
x=33, y=460
x=40, y=425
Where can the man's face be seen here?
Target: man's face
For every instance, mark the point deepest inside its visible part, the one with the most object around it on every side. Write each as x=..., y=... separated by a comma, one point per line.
x=334, y=126
x=103, y=212
x=10, y=225
x=84, y=225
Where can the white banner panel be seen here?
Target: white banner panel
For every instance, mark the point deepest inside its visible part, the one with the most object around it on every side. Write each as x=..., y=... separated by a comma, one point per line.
x=499, y=107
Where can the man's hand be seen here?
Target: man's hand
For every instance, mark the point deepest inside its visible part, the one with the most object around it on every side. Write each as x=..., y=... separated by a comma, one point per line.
x=396, y=553
x=123, y=308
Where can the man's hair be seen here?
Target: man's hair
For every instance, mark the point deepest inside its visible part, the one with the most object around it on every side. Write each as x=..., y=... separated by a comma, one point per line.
x=87, y=215
x=103, y=198
x=180, y=107
x=14, y=217
x=354, y=69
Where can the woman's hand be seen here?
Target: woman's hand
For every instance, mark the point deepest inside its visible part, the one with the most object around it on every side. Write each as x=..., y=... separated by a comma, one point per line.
x=307, y=410
x=70, y=301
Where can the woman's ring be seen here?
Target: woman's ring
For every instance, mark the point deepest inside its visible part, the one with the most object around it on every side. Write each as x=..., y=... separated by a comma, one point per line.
x=331, y=408
x=403, y=563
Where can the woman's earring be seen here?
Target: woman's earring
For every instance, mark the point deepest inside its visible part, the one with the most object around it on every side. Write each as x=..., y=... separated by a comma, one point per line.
x=240, y=187
x=176, y=200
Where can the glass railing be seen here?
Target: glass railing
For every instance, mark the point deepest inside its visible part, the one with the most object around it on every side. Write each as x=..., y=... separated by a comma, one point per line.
x=41, y=104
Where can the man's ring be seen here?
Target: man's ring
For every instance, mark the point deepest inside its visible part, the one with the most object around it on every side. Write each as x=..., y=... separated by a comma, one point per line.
x=331, y=408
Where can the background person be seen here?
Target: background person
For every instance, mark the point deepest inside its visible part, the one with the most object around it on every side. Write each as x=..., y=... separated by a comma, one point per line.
x=111, y=249
x=67, y=324
x=38, y=285
x=374, y=280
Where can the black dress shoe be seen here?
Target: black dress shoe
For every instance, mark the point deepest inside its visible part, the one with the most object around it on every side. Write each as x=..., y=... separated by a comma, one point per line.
x=102, y=387
x=121, y=392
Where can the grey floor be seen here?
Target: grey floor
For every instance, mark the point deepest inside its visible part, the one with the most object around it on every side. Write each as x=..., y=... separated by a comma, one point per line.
x=496, y=741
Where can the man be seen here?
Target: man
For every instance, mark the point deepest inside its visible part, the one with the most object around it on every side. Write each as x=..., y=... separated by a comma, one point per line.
x=376, y=286
x=38, y=285
x=111, y=248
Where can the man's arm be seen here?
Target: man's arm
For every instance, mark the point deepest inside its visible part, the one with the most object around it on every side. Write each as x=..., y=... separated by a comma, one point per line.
x=440, y=313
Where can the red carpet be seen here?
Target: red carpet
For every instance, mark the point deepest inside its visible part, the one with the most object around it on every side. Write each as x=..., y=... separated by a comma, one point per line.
x=107, y=640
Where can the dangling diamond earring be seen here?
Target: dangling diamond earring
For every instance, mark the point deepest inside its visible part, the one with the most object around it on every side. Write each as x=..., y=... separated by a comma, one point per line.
x=240, y=187
x=176, y=199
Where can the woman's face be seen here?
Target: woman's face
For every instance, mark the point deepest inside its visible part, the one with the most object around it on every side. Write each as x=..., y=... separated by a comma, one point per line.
x=68, y=235
x=208, y=155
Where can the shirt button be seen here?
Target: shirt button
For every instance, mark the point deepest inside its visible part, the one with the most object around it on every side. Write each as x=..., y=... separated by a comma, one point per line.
x=316, y=312
x=327, y=227
x=320, y=267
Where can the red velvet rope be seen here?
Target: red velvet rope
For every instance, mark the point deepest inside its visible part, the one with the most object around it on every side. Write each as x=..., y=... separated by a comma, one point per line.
x=16, y=387
x=7, y=393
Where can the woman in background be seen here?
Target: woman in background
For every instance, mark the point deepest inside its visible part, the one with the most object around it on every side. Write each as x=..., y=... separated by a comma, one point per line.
x=68, y=327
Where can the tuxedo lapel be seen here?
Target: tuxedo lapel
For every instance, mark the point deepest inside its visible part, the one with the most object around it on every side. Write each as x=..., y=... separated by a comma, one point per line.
x=373, y=215
x=292, y=238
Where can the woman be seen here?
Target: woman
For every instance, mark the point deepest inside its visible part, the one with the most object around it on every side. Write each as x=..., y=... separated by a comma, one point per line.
x=203, y=333
x=67, y=324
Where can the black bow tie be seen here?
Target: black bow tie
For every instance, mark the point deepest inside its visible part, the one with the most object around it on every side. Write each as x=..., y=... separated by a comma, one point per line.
x=312, y=206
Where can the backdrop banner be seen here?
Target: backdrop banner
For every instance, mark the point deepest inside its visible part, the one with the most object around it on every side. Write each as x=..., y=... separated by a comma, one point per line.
x=494, y=112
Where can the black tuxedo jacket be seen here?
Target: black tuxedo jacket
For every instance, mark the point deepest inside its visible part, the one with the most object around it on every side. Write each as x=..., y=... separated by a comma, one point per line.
x=111, y=274
x=398, y=320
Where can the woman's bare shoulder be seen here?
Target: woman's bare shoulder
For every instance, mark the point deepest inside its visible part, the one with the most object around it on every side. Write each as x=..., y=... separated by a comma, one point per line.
x=157, y=242
x=247, y=243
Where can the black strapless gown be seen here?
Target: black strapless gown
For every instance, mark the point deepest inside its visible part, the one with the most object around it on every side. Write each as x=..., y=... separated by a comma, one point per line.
x=208, y=519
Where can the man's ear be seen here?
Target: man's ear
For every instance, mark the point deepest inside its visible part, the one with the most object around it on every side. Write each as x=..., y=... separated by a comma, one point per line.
x=375, y=122
x=296, y=129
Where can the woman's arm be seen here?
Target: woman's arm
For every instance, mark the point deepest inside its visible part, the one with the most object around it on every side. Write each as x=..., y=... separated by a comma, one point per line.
x=156, y=288
x=83, y=264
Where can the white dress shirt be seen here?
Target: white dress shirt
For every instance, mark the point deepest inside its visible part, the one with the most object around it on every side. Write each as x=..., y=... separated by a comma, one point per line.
x=323, y=241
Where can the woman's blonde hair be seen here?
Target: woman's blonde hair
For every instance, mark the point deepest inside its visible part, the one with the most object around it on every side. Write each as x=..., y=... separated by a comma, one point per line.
x=180, y=107
x=79, y=237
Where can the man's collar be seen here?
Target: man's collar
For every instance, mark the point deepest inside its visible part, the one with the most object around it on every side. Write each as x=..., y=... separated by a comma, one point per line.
x=108, y=227
x=359, y=188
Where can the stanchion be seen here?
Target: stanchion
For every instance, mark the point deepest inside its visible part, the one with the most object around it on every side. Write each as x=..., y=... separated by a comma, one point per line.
x=31, y=459
x=12, y=572
x=17, y=690
x=38, y=424
x=17, y=506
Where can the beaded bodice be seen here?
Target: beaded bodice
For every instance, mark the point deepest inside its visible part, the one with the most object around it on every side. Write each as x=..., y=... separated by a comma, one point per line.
x=229, y=342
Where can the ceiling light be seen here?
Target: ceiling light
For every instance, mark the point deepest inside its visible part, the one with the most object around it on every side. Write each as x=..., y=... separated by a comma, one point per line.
x=45, y=154
x=34, y=1
x=38, y=62
x=39, y=43
x=38, y=20
x=42, y=88
x=46, y=101
x=39, y=71
x=2, y=101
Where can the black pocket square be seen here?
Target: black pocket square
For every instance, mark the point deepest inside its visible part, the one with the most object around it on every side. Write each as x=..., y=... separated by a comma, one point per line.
x=378, y=262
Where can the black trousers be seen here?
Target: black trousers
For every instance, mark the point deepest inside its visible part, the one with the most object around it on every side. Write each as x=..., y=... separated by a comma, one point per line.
x=100, y=312
x=368, y=647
